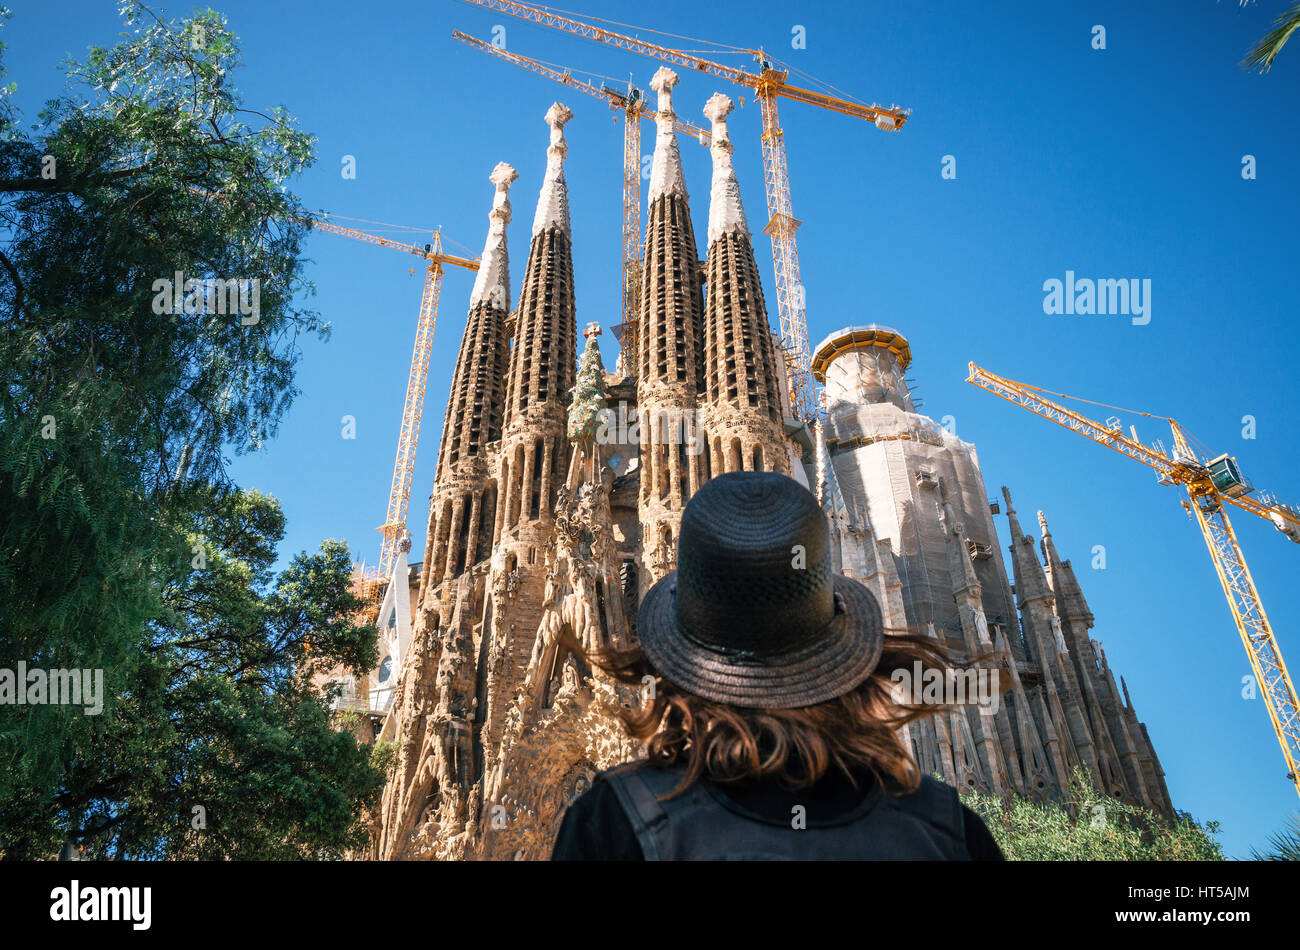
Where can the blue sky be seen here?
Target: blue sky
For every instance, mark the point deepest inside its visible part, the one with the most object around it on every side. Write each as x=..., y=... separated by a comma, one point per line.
x=1119, y=163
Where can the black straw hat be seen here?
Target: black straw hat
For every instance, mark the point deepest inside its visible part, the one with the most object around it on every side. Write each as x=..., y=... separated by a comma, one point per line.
x=754, y=616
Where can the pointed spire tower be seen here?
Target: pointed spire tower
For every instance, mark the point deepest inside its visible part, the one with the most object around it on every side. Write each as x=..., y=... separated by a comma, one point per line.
x=1070, y=602
x=1117, y=747
x=533, y=455
x=1042, y=629
x=743, y=411
x=542, y=363
x=463, y=505
x=670, y=348
x=475, y=405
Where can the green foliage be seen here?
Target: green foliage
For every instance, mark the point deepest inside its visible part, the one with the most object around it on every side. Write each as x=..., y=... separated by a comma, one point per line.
x=1266, y=50
x=218, y=712
x=1283, y=845
x=1089, y=826
x=347, y=721
x=588, y=401
x=382, y=756
x=123, y=545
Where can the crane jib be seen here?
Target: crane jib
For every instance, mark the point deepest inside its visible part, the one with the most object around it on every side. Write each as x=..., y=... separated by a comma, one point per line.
x=1208, y=485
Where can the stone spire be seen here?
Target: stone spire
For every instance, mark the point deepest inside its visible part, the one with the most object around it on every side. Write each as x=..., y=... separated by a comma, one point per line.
x=1042, y=628
x=1115, y=746
x=670, y=351
x=744, y=405
x=463, y=512
x=474, y=407
x=553, y=202
x=533, y=452
x=1017, y=535
x=726, y=212
x=666, y=176
x=1033, y=593
x=1050, y=557
x=1070, y=601
x=671, y=337
x=542, y=364
x=492, y=283
x=463, y=504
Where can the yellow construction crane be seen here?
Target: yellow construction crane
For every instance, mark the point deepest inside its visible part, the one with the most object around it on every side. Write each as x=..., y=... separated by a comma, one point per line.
x=631, y=104
x=769, y=84
x=1210, y=483
x=399, y=496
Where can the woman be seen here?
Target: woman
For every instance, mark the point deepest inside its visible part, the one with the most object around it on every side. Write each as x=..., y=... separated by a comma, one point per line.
x=770, y=725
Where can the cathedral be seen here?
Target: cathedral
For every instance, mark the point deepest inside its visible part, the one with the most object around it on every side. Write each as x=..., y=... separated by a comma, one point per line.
x=539, y=530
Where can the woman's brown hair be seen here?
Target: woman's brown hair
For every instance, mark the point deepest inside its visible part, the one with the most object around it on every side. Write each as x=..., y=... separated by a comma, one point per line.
x=854, y=732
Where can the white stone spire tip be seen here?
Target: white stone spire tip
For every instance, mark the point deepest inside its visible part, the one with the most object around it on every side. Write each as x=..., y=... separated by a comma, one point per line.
x=663, y=82
x=557, y=116
x=666, y=176
x=503, y=176
x=553, y=202
x=726, y=211
x=492, y=282
x=716, y=111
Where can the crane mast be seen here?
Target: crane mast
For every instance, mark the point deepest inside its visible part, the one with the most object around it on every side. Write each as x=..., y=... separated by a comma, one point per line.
x=769, y=84
x=399, y=496
x=1210, y=485
x=631, y=237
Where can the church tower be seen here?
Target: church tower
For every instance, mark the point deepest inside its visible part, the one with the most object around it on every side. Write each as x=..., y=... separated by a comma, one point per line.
x=669, y=351
x=534, y=449
x=438, y=753
x=463, y=508
x=742, y=416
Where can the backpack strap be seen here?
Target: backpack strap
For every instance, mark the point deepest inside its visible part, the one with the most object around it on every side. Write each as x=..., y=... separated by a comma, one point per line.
x=640, y=804
x=938, y=805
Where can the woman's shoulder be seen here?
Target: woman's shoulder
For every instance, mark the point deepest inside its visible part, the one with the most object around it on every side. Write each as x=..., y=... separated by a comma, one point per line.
x=940, y=805
x=595, y=827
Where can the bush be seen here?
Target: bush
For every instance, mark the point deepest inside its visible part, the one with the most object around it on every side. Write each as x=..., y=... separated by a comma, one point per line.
x=1089, y=826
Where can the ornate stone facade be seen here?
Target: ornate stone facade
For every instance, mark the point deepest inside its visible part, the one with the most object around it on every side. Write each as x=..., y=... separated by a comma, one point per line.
x=912, y=519
x=534, y=537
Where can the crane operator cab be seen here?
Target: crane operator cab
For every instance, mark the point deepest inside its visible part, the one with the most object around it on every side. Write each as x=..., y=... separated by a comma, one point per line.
x=1227, y=477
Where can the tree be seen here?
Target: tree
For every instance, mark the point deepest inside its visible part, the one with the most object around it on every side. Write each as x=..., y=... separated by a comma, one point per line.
x=1266, y=50
x=125, y=390
x=1283, y=845
x=221, y=748
x=1089, y=826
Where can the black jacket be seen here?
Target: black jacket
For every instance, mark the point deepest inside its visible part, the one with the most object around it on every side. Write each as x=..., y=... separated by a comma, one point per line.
x=620, y=819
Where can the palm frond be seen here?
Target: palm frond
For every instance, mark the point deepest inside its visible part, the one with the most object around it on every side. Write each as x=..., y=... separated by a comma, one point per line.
x=1261, y=57
x=1284, y=845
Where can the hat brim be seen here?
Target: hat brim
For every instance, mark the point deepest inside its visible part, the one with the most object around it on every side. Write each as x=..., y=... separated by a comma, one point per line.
x=829, y=666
